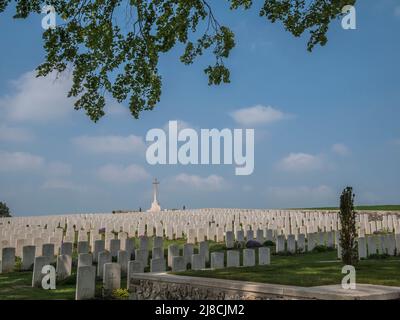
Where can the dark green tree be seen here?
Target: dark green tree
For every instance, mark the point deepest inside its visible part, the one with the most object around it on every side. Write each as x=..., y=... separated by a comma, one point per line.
x=348, y=232
x=113, y=56
x=4, y=210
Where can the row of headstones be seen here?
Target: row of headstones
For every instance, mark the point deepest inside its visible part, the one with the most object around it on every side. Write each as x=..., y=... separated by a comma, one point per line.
x=242, y=216
x=48, y=250
x=111, y=272
x=290, y=219
x=379, y=244
x=291, y=242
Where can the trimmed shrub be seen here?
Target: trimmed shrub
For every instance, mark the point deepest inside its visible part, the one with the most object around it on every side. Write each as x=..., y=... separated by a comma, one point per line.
x=253, y=244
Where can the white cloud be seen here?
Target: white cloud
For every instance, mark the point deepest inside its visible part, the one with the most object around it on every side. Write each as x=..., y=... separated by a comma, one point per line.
x=58, y=169
x=114, y=108
x=257, y=115
x=340, y=149
x=396, y=142
x=19, y=161
x=38, y=99
x=301, y=196
x=301, y=162
x=181, y=125
x=121, y=175
x=397, y=11
x=210, y=183
x=110, y=144
x=60, y=184
x=15, y=134
x=247, y=188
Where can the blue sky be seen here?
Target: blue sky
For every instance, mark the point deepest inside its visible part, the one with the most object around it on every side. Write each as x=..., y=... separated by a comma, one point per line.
x=323, y=120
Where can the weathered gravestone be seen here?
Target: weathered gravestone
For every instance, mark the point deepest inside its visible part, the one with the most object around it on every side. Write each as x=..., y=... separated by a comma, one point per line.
x=104, y=257
x=143, y=256
x=390, y=244
x=362, y=248
x=83, y=247
x=217, y=260
x=173, y=251
x=372, y=249
x=66, y=248
x=130, y=248
x=260, y=235
x=198, y=262
x=280, y=243
x=85, y=283
x=301, y=242
x=115, y=246
x=134, y=267
x=229, y=240
x=85, y=259
x=291, y=243
x=381, y=244
x=64, y=266
x=143, y=243
x=178, y=264
x=240, y=235
x=330, y=239
x=249, y=258
x=7, y=260
x=311, y=241
x=123, y=261
x=38, y=265
x=264, y=256
x=158, y=242
x=48, y=251
x=28, y=257
x=99, y=246
x=233, y=258
x=269, y=235
x=188, y=249
x=111, y=279
x=321, y=238
x=157, y=253
x=203, y=250
x=157, y=265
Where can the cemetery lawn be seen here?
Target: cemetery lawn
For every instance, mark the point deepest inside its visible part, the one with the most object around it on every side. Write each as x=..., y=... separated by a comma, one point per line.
x=17, y=286
x=308, y=270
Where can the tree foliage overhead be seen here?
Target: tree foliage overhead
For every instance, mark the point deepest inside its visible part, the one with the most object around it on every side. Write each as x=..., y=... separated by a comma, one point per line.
x=119, y=57
x=4, y=210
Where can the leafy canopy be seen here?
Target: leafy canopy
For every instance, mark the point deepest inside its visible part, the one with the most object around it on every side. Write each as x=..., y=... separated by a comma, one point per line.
x=4, y=210
x=119, y=57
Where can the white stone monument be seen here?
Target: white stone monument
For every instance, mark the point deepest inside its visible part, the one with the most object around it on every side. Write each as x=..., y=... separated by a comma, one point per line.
x=155, y=206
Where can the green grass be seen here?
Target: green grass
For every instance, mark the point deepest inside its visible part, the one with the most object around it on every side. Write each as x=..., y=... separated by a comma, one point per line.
x=311, y=269
x=17, y=286
x=395, y=207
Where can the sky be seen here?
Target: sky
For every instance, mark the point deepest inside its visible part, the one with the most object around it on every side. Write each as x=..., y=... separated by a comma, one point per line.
x=323, y=120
